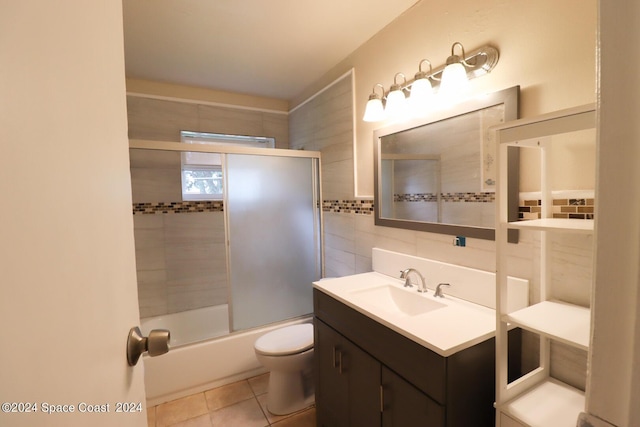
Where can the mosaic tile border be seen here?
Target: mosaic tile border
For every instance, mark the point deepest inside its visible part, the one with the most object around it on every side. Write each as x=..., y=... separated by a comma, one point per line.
x=562, y=208
x=154, y=208
x=446, y=197
x=417, y=197
x=469, y=197
x=363, y=207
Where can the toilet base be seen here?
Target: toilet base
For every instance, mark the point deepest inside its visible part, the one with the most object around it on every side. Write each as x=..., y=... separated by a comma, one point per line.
x=289, y=392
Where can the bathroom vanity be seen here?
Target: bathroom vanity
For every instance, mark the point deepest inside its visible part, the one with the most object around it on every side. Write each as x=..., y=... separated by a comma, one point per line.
x=386, y=355
x=370, y=375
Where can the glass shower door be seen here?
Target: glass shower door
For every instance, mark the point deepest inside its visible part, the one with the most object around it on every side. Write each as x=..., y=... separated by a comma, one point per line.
x=272, y=211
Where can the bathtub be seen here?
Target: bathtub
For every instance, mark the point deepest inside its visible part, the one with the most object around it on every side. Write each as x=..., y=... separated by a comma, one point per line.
x=196, y=367
x=191, y=326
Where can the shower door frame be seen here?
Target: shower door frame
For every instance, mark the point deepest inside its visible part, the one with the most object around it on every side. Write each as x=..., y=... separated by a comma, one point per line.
x=276, y=152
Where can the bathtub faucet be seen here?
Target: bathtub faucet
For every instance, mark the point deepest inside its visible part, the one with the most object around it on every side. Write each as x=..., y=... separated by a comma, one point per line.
x=404, y=274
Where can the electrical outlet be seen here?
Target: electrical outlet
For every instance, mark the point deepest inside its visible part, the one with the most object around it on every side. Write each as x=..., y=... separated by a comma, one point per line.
x=460, y=241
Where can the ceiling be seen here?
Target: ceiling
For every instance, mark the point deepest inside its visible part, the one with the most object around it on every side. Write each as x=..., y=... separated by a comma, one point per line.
x=271, y=48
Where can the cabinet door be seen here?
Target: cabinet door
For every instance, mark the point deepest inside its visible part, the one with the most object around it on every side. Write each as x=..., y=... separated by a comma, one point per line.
x=363, y=373
x=331, y=385
x=406, y=406
x=347, y=382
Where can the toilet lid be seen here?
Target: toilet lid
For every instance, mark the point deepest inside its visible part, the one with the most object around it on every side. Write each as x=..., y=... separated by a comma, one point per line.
x=288, y=340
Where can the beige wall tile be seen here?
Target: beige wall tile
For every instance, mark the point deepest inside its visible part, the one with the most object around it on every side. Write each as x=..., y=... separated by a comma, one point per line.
x=571, y=268
x=569, y=364
x=196, y=228
x=148, y=231
x=337, y=180
x=139, y=158
x=336, y=148
x=163, y=120
x=276, y=126
x=325, y=124
x=229, y=121
x=159, y=120
x=338, y=263
x=156, y=185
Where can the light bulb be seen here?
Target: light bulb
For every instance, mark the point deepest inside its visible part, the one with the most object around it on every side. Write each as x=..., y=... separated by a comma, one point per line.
x=374, y=111
x=421, y=94
x=396, y=104
x=454, y=79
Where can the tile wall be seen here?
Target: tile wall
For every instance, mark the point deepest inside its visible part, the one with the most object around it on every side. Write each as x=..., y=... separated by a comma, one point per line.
x=180, y=253
x=181, y=261
x=577, y=208
x=162, y=120
x=325, y=124
x=180, y=246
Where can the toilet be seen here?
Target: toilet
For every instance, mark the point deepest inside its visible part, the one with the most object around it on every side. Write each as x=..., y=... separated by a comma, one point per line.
x=288, y=354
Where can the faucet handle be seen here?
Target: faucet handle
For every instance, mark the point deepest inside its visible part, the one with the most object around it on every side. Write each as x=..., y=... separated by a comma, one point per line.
x=404, y=274
x=438, y=292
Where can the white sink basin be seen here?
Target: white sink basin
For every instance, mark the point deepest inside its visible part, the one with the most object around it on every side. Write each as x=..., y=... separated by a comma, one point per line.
x=444, y=325
x=396, y=300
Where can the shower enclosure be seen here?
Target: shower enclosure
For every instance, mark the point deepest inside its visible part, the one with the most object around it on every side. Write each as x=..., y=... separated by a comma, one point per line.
x=227, y=238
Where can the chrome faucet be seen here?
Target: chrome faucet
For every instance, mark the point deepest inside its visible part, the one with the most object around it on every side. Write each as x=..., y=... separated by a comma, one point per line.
x=404, y=274
x=439, y=290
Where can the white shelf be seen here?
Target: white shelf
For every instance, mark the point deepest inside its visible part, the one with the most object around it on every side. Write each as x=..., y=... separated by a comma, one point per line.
x=549, y=404
x=555, y=224
x=535, y=399
x=563, y=322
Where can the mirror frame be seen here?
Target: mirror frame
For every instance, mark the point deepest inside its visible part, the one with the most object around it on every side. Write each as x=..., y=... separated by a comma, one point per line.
x=510, y=98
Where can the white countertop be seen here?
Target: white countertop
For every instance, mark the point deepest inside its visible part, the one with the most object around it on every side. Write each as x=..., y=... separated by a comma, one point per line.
x=457, y=325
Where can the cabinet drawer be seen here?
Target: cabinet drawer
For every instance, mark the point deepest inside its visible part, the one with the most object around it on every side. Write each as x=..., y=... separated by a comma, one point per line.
x=422, y=367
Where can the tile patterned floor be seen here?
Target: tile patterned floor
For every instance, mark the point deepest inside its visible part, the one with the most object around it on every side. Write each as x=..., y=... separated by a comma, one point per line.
x=241, y=404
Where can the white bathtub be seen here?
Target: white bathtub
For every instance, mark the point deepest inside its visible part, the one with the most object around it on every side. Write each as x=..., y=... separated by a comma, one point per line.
x=191, y=326
x=193, y=368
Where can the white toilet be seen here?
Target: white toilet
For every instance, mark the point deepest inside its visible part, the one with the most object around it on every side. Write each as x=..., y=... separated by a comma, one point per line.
x=288, y=354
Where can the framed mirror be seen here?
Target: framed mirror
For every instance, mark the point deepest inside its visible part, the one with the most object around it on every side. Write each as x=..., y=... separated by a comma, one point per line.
x=437, y=173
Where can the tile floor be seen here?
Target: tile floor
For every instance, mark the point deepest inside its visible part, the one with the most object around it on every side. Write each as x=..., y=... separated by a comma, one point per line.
x=241, y=404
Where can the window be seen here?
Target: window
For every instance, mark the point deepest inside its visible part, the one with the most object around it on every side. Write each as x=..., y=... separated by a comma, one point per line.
x=202, y=177
x=202, y=183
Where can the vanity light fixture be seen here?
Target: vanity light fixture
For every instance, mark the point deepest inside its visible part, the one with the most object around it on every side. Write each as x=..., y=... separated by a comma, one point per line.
x=374, y=112
x=396, y=99
x=454, y=79
x=421, y=89
x=459, y=68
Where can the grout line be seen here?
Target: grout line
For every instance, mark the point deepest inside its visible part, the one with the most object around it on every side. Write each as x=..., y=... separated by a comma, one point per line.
x=263, y=410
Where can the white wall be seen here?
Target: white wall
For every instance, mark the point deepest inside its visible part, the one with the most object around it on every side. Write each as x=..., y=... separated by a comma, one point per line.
x=615, y=348
x=67, y=284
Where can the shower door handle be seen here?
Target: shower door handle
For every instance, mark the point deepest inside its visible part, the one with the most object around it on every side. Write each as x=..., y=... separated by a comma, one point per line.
x=155, y=344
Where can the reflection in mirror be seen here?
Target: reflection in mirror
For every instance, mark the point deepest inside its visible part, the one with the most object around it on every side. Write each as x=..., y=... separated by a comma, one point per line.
x=411, y=187
x=438, y=174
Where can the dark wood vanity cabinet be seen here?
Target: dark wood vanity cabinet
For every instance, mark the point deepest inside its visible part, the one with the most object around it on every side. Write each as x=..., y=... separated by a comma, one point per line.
x=368, y=375
x=350, y=393
x=405, y=405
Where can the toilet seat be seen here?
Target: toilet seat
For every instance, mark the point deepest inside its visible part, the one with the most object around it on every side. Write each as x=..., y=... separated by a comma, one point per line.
x=286, y=341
